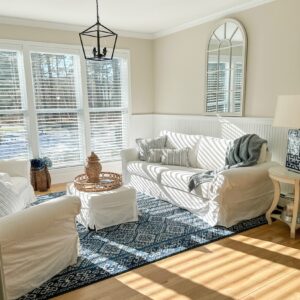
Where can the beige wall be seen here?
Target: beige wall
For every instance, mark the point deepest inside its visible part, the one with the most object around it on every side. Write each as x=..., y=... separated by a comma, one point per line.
x=168, y=74
x=141, y=57
x=273, y=61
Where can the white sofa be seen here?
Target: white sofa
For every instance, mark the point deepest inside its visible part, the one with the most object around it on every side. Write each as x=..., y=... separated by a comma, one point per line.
x=234, y=194
x=16, y=191
x=36, y=244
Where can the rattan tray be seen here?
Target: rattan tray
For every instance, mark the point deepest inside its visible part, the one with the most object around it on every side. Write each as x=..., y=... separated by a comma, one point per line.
x=108, y=181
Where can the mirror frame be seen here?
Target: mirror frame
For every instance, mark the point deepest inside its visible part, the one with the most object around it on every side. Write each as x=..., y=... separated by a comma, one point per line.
x=245, y=43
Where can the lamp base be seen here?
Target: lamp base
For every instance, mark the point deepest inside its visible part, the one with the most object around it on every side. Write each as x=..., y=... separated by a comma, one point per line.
x=293, y=151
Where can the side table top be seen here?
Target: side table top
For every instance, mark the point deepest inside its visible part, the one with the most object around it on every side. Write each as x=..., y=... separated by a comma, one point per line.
x=280, y=171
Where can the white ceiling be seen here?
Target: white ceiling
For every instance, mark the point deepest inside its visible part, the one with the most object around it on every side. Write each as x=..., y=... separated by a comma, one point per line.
x=140, y=16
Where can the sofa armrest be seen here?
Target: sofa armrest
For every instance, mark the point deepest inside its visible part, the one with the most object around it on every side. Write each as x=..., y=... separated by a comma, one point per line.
x=36, y=219
x=127, y=155
x=243, y=177
x=14, y=167
x=130, y=154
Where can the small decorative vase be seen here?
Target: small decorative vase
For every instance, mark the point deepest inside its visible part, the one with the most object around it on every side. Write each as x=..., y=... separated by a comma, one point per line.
x=93, y=168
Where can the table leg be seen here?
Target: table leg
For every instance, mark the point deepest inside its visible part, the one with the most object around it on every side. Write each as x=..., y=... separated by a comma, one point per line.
x=275, y=200
x=295, y=209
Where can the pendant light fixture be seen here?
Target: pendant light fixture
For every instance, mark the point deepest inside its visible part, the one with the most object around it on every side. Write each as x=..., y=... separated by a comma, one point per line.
x=101, y=38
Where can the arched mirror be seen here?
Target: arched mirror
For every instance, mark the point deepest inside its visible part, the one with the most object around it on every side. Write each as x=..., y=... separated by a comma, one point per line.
x=226, y=68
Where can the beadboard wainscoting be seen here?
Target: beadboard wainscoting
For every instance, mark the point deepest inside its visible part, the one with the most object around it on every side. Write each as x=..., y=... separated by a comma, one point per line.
x=226, y=127
x=140, y=126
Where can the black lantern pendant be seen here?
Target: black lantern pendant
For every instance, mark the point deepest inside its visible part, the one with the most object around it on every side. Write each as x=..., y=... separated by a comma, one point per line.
x=101, y=37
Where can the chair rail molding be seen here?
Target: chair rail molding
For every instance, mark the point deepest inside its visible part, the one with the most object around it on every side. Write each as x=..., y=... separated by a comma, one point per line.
x=226, y=127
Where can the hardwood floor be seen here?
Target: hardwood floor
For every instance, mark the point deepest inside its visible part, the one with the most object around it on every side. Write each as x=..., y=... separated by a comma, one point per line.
x=262, y=263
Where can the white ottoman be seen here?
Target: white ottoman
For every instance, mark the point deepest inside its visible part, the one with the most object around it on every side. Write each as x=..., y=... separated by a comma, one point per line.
x=104, y=209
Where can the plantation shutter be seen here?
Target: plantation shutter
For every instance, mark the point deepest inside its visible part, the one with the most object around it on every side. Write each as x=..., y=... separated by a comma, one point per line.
x=217, y=98
x=57, y=92
x=107, y=84
x=237, y=85
x=13, y=121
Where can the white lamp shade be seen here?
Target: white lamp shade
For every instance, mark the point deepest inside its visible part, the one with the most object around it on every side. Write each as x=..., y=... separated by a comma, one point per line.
x=287, y=113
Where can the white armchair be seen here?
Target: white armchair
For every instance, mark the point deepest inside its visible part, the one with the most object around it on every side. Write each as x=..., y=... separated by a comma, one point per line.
x=36, y=244
x=16, y=192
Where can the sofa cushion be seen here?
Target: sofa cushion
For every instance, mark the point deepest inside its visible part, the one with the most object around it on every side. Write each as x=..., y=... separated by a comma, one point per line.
x=171, y=176
x=178, y=178
x=146, y=170
x=181, y=140
x=211, y=152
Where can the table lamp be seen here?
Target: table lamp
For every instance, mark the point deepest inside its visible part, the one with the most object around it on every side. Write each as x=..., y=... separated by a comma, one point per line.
x=287, y=114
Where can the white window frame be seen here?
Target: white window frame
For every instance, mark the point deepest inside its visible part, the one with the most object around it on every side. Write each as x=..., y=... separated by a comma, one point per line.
x=6, y=45
x=26, y=47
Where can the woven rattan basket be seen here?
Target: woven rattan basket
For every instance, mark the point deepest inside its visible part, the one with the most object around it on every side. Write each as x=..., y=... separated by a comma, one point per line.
x=107, y=181
x=40, y=179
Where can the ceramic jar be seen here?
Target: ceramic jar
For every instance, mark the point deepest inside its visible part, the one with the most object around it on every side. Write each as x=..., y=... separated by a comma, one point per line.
x=93, y=168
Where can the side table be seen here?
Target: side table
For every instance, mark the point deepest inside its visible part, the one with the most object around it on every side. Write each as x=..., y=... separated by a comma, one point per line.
x=282, y=175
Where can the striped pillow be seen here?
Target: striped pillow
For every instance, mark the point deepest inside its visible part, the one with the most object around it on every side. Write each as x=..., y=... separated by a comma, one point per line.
x=144, y=145
x=177, y=157
x=154, y=156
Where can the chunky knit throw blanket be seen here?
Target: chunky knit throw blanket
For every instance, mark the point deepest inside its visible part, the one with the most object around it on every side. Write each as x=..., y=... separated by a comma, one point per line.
x=245, y=152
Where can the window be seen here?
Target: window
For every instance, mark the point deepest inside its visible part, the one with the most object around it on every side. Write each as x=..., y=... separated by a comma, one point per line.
x=108, y=106
x=57, y=101
x=54, y=103
x=226, y=63
x=13, y=110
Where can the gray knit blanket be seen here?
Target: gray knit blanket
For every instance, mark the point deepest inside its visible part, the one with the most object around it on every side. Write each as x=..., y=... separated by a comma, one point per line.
x=245, y=152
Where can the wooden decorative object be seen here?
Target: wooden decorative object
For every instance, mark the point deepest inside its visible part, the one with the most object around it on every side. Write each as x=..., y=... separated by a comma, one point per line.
x=93, y=168
x=40, y=179
x=107, y=181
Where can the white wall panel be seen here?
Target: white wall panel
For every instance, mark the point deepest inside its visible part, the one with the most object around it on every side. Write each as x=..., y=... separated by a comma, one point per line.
x=226, y=127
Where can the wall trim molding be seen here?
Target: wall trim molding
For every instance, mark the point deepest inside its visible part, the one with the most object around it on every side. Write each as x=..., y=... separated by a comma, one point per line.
x=67, y=27
x=212, y=17
x=132, y=34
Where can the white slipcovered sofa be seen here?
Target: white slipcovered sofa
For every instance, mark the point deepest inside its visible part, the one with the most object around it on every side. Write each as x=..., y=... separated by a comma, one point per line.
x=233, y=195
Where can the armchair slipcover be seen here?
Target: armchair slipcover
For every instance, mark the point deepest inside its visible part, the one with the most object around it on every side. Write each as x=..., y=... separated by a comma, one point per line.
x=36, y=244
x=16, y=192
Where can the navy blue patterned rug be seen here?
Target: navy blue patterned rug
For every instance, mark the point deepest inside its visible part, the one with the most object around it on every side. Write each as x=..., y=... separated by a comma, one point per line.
x=162, y=230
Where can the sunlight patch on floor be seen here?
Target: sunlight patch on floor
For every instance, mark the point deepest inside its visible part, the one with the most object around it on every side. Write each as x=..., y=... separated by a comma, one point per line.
x=150, y=288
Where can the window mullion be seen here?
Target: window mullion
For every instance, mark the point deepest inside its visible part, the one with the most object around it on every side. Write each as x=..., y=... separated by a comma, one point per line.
x=33, y=136
x=85, y=106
